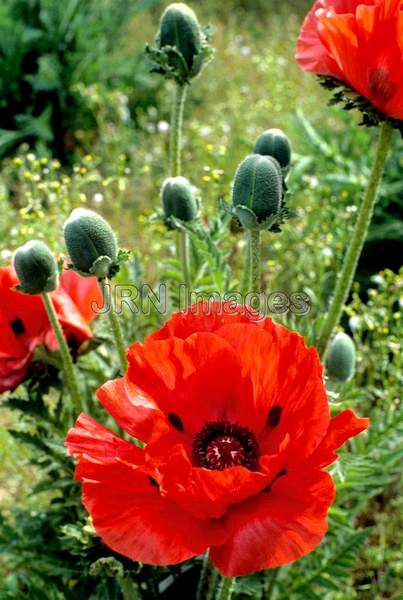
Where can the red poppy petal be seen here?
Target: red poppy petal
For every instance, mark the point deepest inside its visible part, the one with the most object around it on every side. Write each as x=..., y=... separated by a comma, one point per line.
x=71, y=320
x=289, y=395
x=312, y=55
x=127, y=408
x=84, y=292
x=190, y=380
x=342, y=427
x=13, y=372
x=29, y=310
x=132, y=517
x=90, y=438
x=205, y=316
x=276, y=527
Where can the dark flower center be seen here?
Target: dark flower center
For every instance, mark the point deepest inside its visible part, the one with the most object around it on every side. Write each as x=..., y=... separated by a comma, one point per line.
x=221, y=444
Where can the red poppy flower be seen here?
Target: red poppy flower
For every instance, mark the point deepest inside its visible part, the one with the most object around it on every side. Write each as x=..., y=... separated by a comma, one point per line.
x=360, y=43
x=236, y=426
x=24, y=323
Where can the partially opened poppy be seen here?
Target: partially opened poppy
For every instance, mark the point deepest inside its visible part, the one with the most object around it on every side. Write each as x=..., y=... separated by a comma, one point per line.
x=235, y=421
x=359, y=43
x=24, y=324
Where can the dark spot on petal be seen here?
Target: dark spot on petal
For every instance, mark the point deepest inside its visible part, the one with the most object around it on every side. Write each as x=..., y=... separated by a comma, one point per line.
x=380, y=84
x=152, y=481
x=279, y=474
x=274, y=416
x=17, y=326
x=175, y=421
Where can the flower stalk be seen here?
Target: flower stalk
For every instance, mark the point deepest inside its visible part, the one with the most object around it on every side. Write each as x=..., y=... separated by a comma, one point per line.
x=354, y=250
x=175, y=150
x=175, y=160
x=226, y=588
x=68, y=367
x=116, y=328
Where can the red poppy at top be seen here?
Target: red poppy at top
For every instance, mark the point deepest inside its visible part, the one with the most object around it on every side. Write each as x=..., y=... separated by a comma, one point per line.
x=24, y=324
x=360, y=43
x=235, y=421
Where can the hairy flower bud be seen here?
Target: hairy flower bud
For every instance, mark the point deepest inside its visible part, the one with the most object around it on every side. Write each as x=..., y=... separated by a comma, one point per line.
x=340, y=360
x=91, y=244
x=275, y=143
x=36, y=268
x=180, y=28
x=178, y=199
x=182, y=47
x=257, y=189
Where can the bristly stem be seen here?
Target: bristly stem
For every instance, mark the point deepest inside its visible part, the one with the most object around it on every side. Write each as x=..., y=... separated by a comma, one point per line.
x=204, y=576
x=67, y=361
x=175, y=160
x=359, y=235
x=269, y=584
x=175, y=146
x=255, y=259
x=115, y=326
x=184, y=255
x=227, y=586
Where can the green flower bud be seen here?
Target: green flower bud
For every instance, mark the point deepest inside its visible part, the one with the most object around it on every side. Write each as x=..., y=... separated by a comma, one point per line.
x=91, y=244
x=257, y=189
x=36, y=268
x=180, y=28
x=182, y=47
x=178, y=199
x=340, y=360
x=275, y=143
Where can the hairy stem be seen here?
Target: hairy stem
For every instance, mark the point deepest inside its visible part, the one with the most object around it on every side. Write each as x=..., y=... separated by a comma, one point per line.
x=359, y=235
x=68, y=367
x=184, y=256
x=269, y=584
x=115, y=327
x=175, y=146
x=226, y=588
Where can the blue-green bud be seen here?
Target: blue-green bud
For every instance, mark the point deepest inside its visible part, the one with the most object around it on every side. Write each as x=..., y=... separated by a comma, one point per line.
x=275, y=143
x=178, y=199
x=340, y=360
x=182, y=47
x=257, y=189
x=180, y=28
x=36, y=268
x=91, y=244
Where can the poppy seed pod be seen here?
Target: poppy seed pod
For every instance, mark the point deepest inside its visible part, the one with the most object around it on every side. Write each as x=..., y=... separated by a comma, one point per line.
x=180, y=29
x=36, y=268
x=340, y=360
x=178, y=199
x=91, y=244
x=275, y=143
x=257, y=188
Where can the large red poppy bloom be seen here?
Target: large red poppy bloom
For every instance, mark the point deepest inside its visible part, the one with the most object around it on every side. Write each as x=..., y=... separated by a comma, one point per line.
x=360, y=43
x=236, y=426
x=24, y=324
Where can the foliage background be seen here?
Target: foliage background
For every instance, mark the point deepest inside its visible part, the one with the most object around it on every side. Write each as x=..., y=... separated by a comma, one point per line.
x=112, y=156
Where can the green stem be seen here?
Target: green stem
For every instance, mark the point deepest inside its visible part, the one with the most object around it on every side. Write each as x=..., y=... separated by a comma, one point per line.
x=116, y=329
x=175, y=146
x=350, y=262
x=255, y=259
x=184, y=256
x=129, y=589
x=246, y=276
x=204, y=576
x=226, y=588
x=67, y=361
x=270, y=578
